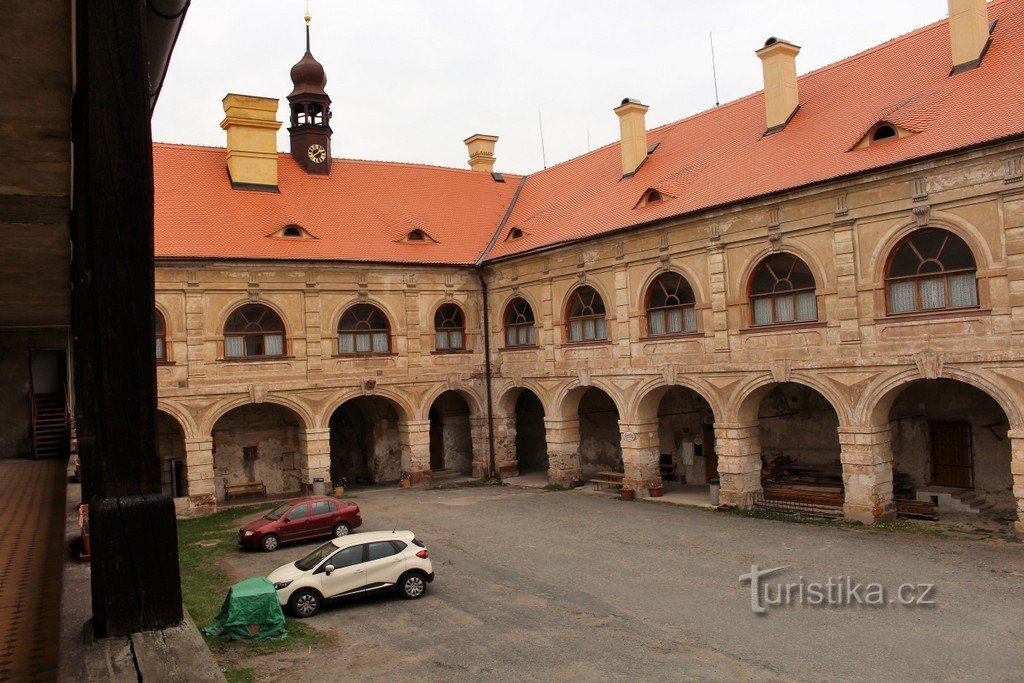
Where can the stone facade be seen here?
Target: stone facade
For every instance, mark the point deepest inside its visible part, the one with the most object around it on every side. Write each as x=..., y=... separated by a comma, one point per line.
x=855, y=357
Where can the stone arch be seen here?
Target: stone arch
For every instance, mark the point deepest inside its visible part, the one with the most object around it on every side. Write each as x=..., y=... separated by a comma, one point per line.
x=507, y=395
x=370, y=439
x=566, y=400
x=983, y=257
x=473, y=401
x=809, y=257
x=186, y=421
x=643, y=404
x=405, y=409
x=171, y=433
x=877, y=399
x=687, y=273
x=305, y=414
x=456, y=442
x=747, y=397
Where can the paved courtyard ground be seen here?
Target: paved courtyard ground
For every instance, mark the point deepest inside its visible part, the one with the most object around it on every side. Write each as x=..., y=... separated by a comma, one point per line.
x=536, y=585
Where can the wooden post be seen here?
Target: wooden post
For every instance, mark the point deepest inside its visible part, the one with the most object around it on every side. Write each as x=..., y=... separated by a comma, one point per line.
x=135, y=579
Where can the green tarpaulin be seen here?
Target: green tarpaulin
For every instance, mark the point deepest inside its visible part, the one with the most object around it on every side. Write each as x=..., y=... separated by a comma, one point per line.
x=250, y=612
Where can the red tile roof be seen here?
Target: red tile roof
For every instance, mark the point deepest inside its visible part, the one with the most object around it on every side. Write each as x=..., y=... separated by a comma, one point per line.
x=712, y=159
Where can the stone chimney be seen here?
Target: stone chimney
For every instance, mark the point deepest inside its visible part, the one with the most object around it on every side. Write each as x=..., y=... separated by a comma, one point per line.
x=781, y=97
x=633, y=133
x=251, y=124
x=968, y=33
x=481, y=151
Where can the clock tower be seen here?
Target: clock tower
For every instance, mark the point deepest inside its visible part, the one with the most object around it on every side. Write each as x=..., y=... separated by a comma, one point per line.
x=310, y=114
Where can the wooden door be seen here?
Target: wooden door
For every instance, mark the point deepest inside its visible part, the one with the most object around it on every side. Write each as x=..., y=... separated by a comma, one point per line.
x=436, y=442
x=952, y=454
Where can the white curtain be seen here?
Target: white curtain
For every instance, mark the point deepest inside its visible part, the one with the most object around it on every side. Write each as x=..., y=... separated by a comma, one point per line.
x=675, y=320
x=963, y=290
x=689, y=320
x=656, y=322
x=510, y=336
x=274, y=344
x=601, y=328
x=380, y=342
x=456, y=339
x=441, y=340
x=784, y=309
x=346, y=343
x=234, y=347
x=901, y=297
x=806, y=306
x=531, y=335
x=160, y=349
x=933, y=293
x=575, y=330
x=762, y=311
x=363, y=343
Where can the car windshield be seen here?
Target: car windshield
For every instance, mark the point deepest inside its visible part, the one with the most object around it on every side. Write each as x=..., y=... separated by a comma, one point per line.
x=278, y=511
x=315, y=557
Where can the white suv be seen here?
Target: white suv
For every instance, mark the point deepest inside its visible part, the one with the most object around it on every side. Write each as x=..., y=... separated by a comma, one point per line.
x=349, y=565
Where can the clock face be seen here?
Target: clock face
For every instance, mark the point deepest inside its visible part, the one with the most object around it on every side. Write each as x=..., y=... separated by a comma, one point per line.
x=317, y=154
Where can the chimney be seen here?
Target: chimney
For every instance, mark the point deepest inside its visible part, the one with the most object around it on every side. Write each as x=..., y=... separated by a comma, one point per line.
x=633, y=133
x=968, y=33
x=481, y=151
x=781, y=98
x=251, y=124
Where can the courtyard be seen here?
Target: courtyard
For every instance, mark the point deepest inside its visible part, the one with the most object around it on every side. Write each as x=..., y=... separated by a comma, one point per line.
x=542, y=585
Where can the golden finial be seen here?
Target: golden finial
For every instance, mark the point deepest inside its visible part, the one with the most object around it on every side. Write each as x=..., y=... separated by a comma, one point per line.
x=307, y=13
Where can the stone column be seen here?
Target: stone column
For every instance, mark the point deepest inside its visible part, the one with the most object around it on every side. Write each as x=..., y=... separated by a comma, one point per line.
x=866, y=454
x=563, y=437
x=739, y=462
x=202, y=490
x=641, y=455
x=315, y=449
x=1017, y=472
x=481, y=452
x=415, y=439
x=506, y=460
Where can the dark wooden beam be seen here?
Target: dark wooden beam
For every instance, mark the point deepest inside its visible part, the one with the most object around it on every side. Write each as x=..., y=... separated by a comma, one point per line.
x=135, y=579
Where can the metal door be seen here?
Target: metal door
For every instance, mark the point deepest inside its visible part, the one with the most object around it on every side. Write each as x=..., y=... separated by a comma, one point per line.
x=952, y=454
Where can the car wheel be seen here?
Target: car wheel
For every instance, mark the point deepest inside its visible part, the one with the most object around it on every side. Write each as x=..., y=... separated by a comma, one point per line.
x=412, y=586
x=304, y=603
x=270, y=543
x=341, y=529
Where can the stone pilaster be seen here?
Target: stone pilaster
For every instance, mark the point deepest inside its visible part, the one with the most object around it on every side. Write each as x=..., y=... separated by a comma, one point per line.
x=739, y=462
x=202, y=491
x=1017, y=472
x=481, y=452
x=846, y=283
x=641, y=454
x=506, y=460
x=866, y=454
x=563, y=437
x=194, y=334
x=415, y=439
x=719, y=303
x=314, y=342
x=315, y=454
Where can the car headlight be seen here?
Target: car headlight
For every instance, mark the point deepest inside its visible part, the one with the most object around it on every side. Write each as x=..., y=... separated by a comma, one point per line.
x=281, y=585
x=249, y=533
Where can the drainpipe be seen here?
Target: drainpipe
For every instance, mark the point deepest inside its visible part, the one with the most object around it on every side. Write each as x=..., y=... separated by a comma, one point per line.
x=491, y=474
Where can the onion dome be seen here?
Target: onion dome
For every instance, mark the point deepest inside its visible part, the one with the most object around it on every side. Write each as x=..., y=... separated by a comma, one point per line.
x=308, y=75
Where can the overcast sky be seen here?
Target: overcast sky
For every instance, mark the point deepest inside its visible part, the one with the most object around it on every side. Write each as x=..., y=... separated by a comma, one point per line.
x=410, y=79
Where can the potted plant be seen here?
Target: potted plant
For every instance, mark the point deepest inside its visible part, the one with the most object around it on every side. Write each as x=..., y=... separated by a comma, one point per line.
x=656, y=489
x=406, y=480
x=626, y=493
x=339, y=487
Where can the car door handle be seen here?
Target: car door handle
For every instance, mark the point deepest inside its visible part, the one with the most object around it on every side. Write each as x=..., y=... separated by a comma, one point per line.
x=359, y=571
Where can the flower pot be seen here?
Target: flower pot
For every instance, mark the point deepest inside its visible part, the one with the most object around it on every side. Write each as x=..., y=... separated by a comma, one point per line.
x=339, y=491
x=626, y=494
x=656, y=490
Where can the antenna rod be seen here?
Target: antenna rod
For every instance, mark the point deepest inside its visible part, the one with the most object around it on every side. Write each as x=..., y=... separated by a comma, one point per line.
x=714, y=72
x=543, y=154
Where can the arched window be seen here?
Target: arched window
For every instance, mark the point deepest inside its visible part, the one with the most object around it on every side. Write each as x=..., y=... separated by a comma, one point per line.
x=782, y=291
x=883, y=132
x=519, y=329
x=364, y=330
x=160, y=333
x=670, y=306
x=586, y=316
x=253, y=331
x=449, y=328
x=929, y=270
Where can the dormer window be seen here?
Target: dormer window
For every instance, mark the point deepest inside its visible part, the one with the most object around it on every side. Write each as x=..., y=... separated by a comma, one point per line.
x=292, y=231
x=883, y=132
x=514, y=234
x=650, y=196
x=418, y=235
x=880, y=132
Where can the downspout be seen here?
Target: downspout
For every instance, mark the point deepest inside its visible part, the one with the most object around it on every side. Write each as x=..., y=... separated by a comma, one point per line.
x=492, y=473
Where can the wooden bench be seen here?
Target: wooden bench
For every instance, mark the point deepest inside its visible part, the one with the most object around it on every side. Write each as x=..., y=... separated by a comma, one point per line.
x=245, y=488
x=611, y=479
x=920, y=509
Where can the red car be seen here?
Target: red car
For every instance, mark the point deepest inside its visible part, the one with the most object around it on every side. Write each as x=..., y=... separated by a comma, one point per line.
x=299, y=520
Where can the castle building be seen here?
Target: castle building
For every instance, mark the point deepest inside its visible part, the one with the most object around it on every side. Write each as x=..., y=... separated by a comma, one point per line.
x=823, y=279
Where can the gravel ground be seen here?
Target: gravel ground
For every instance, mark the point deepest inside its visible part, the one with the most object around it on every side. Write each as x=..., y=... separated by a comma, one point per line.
x=536, y=585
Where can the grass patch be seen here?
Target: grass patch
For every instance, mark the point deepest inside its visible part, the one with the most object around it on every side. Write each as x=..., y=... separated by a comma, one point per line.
x=239, y=675
x=204, y=583
x=793, y=519
x=555, y=487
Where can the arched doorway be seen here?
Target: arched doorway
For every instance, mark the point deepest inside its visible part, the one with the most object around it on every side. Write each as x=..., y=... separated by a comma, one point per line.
x=531, y=438
x=600, y=442
x=451, y=438
x=366, y=445
x=170, y=444
x=256, y=447
x=951, y=447
x=686, y=434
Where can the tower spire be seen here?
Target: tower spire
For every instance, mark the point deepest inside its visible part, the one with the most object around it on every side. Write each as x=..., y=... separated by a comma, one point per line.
x=310, y=106
x=308, y=18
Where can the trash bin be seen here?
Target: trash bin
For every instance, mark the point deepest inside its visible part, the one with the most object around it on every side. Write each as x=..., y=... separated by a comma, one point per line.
x=319, y=487
x=250, y=612
x=714, y=487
